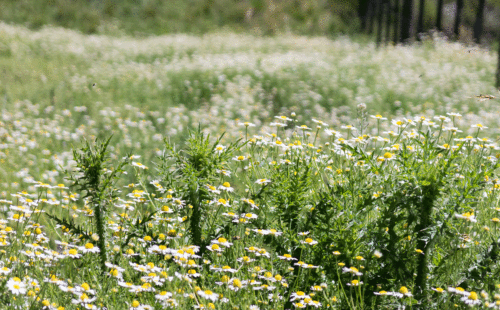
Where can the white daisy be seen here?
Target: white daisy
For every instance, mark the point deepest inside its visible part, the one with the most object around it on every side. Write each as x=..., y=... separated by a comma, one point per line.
x=263, y=181
x=139, y=165
x=16, y=286
x=208, y=295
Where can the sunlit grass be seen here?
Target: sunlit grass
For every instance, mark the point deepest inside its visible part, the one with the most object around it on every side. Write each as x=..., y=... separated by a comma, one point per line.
x=308, y=223
x=347, y=177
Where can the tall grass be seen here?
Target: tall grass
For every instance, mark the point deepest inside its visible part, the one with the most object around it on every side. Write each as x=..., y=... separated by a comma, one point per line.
x=347, y=177
x=401, y=218
x=60, y=86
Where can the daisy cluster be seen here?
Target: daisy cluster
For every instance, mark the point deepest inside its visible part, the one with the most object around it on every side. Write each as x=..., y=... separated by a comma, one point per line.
x=146, y=89
x=264, y=243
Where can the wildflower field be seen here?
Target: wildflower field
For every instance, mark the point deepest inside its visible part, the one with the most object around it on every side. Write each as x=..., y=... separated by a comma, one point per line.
x=238, y=172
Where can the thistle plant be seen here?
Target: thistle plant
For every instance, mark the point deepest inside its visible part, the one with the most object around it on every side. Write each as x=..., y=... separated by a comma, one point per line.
x=97, y=183
x=192, y=171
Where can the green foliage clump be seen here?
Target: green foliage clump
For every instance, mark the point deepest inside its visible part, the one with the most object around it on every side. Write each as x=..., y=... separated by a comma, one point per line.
x=97, y=185
x=191, y=171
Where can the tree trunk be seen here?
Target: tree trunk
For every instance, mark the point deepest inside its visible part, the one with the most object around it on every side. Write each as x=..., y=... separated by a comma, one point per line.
x=371, y=15
x=478, y=25
x=439, y=18
x=458, y=16
x=420, y=25
x=498, y=64
x=406, y=18
x=363, y=13
x=388, y=18
x=396, y=22
x=380, y=19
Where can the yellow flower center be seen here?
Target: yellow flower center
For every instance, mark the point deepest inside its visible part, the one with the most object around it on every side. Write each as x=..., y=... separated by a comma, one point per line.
x=237, y=283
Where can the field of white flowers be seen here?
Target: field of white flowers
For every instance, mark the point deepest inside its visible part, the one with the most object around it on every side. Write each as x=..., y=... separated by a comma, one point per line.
x=238, y=172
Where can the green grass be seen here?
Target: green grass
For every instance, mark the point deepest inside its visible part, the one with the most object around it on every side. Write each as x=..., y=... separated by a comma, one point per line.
x=385, y=188
x=166, y=85
x=265, y=17
x=159, y=17
x=264, y=221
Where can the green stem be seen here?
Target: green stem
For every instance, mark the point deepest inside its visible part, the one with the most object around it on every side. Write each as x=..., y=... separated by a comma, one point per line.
x=195, y=217
x=102, y=239
x=430, y=193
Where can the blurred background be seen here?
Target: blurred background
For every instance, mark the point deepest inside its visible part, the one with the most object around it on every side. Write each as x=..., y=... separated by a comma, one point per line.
x=263, y=17
x=223, y=62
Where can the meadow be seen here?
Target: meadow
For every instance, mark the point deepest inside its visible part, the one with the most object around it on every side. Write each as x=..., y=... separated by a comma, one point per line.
x=230, y=171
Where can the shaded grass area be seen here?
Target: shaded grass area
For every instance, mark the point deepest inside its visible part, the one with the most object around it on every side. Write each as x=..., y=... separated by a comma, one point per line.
x=266, y=17
x=160, y=17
